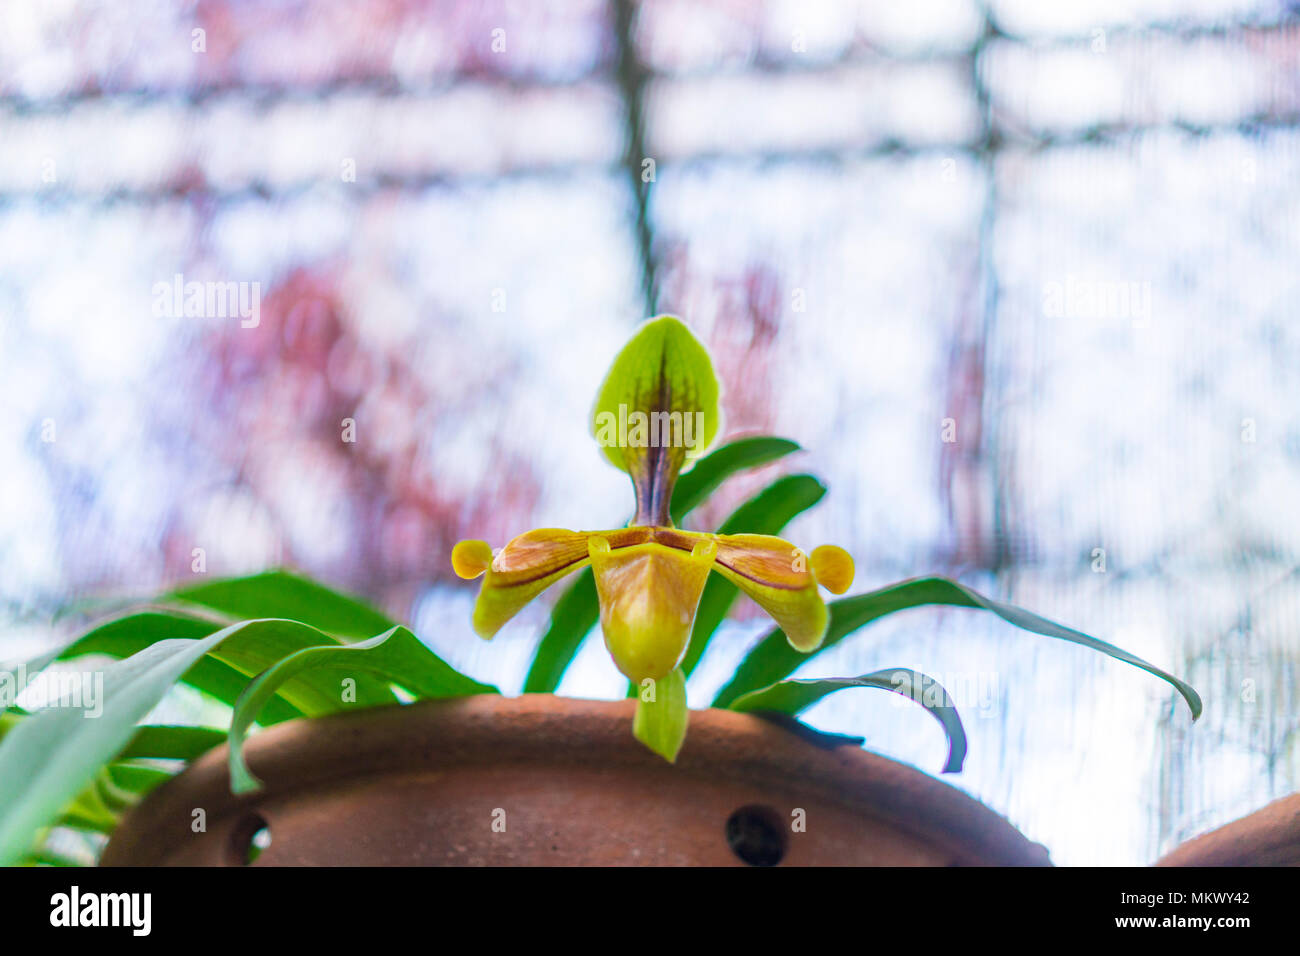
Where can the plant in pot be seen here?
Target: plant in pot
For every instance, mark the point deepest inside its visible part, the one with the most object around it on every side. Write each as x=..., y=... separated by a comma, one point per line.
x=369, y=748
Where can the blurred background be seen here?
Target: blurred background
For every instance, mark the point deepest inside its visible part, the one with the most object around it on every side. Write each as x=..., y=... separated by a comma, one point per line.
x=1021, y=276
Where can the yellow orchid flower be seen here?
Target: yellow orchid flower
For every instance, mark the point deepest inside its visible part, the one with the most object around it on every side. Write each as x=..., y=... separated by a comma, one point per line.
x=649, y=580
x=655, y=413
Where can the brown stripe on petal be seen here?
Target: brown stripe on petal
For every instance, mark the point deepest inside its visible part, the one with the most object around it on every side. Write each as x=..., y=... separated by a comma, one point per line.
x=626, y=537
x=654, y=468
x=774, y=573
x=543, y=551
x=681, y=540
x=766, y=560
x=538, y=553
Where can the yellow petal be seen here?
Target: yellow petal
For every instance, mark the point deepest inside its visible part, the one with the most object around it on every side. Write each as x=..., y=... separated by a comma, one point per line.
x=777, y=576
x=523, y=569
x=526, y=567
x=833, y=568
x=649, y=594
x=469, y=559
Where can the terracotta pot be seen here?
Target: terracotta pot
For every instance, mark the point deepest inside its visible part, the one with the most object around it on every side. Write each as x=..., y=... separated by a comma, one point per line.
x=538, y=780
x=1268, y=837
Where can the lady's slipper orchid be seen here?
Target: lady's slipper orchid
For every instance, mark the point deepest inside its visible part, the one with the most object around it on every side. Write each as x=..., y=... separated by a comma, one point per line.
x=657, y=411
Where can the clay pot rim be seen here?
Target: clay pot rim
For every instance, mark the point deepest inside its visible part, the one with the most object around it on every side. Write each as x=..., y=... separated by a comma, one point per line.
x=1268, y=837
x=488, y=729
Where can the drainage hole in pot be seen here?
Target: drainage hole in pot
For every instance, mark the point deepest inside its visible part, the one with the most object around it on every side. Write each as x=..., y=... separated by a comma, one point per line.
x=249, y=839
x=756, y=834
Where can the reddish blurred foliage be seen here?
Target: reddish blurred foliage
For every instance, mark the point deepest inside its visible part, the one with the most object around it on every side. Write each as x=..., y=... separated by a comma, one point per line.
x=287, y=391
x=311, y=42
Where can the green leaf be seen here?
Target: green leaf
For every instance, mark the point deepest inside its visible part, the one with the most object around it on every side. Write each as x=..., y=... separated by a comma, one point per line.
x=50, y=755
x=117, y=798
x=794, y=696
x=48, y=858
x=227, y=670
x=281, y=594
x=47, y=758
x=397, y=655
x=133, y=633
x=137, y=779
x=572, y=618
x=113, y=789
x=773, y=658
x=694, y=486
x=768, y=512
x=172, y=742
x=88, y=810
x=661, y=724
x=662, y=368
x=9, y=718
